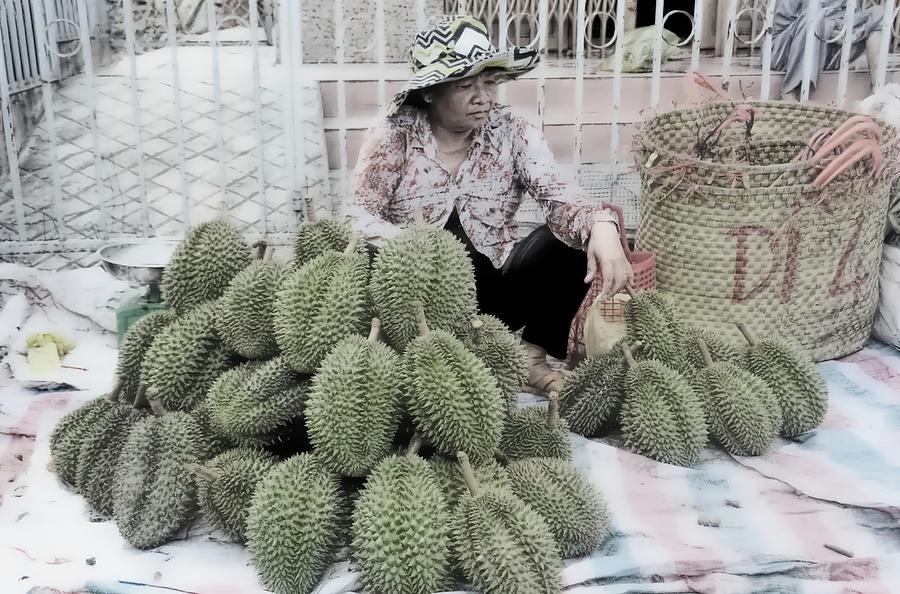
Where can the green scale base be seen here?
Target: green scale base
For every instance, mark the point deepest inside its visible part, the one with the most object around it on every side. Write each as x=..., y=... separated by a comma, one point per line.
x=132, y=310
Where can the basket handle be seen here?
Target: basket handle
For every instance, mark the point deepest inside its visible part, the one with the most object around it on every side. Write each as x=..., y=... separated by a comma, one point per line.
x=856, y=152
x=623, y=237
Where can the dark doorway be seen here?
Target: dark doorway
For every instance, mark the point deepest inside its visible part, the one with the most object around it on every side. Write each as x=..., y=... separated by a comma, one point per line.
x=677, y=23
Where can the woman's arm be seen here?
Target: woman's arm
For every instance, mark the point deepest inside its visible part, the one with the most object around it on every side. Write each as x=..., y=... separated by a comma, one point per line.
x=375, y=178
x=569, y=212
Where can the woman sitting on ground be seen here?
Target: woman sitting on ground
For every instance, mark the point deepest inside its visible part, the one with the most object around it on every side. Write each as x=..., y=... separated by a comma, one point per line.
x=448, y=151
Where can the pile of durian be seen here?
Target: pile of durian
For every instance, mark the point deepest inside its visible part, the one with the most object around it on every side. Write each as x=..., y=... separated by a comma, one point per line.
x=670, y=387
x=335, y=403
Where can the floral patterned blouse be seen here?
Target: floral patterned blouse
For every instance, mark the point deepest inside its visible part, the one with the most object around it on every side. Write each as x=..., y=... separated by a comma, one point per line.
x=399, y=172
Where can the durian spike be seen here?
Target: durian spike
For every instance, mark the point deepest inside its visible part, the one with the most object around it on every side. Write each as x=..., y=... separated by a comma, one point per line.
x=204, y=472
x=261, y=247
x=415, y=444
x=477, y=325
x=468, y=474
x=140, y=400
x=420, y=317
x=631, y=292
x=707, y=358
x=351, y=246
x=629, y=358
x=553, y=410
x=748, y=334
x=375, y=332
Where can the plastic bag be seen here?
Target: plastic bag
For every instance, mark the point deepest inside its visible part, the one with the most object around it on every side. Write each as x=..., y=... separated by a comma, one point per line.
x=603, y=331
x=887, y=318
x=637, y=49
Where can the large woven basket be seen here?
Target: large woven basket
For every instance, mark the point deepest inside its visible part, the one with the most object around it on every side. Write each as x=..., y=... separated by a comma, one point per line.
x=741, y=233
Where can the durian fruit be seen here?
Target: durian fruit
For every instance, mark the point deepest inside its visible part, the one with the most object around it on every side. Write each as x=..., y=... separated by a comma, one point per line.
x=246, y=323
x=154, y=495
x=653, y=318
x=293, y=524
x=225, y=487
x=532, y=432
x=453, y=485
x=204, y=264
x=354, y=404
x=317, y=237
x=185, y=359
x=100, y=450
x=135, y=343
x=426, y=265
x=503, y=544
x=323, y=302
x=574, y=510
x=720, y=349
x=662, y=417
x=793, y=378
x=215, y=441
x=592, y=394
x=742, y=413
x=400, y=536
x=65, y=441
x=452, y=397
x=499, y=349
x=255, y=410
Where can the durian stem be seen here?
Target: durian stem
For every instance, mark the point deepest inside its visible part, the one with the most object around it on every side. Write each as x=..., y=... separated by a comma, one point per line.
x=116, y=390
x=270, y=252
x=468, y=474
x=155, y=405
x=636, y=346
x=420, y=317
x=477, y=325
x=140, y=401
x=205, y=473
x=707, y=358
x=748, y=334
x=415, y=444
x=631, y=292
x=261, y=247
x=553, y=410
x=375, y=332
x=420, y=217
x=351, y=245
x=629, y=358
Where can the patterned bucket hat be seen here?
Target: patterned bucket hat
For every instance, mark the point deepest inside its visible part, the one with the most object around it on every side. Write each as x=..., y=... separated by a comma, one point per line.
x=458, y=48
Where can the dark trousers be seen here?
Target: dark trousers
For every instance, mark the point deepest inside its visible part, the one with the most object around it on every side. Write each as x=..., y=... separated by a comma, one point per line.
x=540, y=286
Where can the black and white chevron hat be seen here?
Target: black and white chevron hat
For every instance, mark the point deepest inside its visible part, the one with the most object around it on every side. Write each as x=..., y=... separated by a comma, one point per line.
x=458, y=48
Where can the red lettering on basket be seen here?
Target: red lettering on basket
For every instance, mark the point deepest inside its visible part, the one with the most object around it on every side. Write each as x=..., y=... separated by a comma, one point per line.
x=857, y=283
x=790, y=264
x=741, y=260
x=742, y=293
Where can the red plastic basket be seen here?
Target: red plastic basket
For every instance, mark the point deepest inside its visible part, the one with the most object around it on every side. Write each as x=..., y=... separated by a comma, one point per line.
x=644, y=266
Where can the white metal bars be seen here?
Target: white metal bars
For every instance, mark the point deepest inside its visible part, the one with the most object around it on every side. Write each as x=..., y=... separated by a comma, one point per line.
x=12, y=155
x=45, y=47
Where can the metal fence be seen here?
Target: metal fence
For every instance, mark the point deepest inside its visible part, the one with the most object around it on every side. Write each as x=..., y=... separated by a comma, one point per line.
x=156, y=142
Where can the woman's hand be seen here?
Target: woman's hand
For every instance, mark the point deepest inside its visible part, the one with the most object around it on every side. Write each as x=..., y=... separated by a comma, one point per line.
x=605, y=255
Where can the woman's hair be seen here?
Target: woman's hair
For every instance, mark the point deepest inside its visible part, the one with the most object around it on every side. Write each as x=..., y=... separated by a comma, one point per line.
x=416, y=99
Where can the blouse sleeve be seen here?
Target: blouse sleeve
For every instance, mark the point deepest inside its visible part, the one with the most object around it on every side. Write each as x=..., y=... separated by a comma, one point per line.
x=375, y=178
x=567, y=208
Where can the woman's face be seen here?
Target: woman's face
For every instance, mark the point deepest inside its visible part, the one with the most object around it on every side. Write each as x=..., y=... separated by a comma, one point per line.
x=464, y=104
